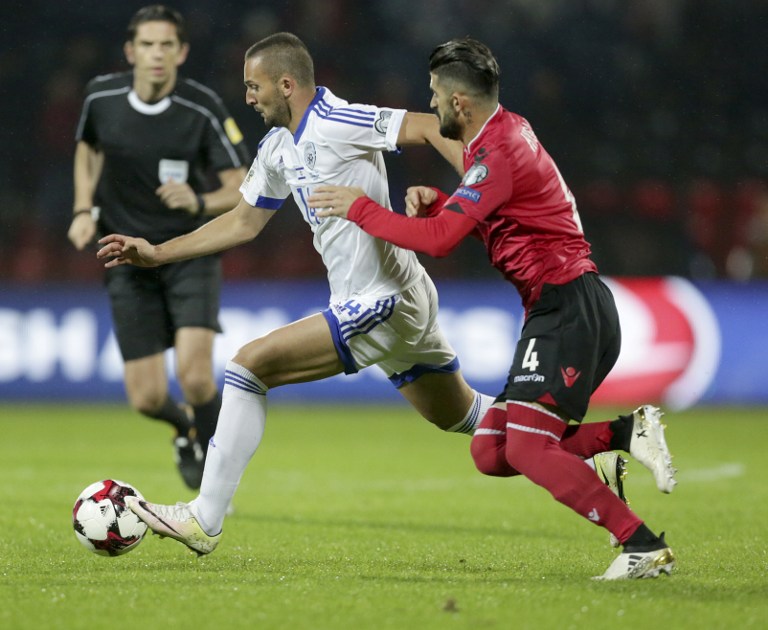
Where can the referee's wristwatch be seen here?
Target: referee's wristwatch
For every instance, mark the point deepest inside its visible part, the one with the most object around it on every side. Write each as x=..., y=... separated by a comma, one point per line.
x=95, y=212
x=200, y=205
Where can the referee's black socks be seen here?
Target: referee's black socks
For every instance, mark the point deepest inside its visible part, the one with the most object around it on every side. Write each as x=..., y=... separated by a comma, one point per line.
x=174, y=414
x=206, y=417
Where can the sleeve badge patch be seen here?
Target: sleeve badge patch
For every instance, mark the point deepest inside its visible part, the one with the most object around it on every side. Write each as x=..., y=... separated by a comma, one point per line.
x=382, y=122
x=233, y=131
x=476, y=173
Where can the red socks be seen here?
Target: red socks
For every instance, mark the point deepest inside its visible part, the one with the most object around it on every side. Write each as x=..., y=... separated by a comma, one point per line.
x=532, y=446
x=588, y=439
x=489, y=444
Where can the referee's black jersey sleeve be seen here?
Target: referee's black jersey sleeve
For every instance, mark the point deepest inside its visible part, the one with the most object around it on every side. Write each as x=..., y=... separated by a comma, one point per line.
x=187, y=136
x=117, y=84
x=224, y=141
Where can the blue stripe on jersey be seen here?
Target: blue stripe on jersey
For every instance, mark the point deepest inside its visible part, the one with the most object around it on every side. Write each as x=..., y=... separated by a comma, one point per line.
x=398, y=380
x=348, y=122
x=319, y=93
x=354, y=113
x=324, y=109
x=270, y=203
x=233, y=379
x=346, y=115
x=367, y=319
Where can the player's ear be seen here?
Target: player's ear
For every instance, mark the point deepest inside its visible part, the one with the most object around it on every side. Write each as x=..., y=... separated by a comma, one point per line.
x=457, y=102
x=183, y=52
x=129, y=52
x=286, y=85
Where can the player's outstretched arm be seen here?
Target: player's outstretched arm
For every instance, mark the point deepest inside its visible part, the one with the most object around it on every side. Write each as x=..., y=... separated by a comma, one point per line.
x=425, y=129
x=233, y=228
x=180, y=196
x=125, y=250
x=437, y=235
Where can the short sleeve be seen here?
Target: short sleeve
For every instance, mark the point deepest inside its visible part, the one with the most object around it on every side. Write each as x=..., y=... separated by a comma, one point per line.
x=264, y=186
x=360, y=129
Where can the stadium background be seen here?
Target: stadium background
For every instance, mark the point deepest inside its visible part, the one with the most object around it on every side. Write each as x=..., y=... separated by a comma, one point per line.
x=656, y=112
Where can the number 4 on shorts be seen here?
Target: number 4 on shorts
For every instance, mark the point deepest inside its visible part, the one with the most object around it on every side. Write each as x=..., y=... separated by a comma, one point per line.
x=531, y=358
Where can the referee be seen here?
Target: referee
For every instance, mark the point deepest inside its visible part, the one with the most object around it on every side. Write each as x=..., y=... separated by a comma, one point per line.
x=148, y=144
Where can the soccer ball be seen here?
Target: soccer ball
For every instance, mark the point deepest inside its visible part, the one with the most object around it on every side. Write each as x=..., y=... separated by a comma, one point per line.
x=102, y=521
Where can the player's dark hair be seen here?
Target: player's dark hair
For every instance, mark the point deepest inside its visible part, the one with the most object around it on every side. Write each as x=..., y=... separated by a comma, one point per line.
x=468, y=62
x=157, y=13
x=284, y=53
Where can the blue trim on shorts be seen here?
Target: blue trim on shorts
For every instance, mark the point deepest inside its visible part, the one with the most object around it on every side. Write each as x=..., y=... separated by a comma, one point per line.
x=398, y=380
x=342, y=349
x=365, y=319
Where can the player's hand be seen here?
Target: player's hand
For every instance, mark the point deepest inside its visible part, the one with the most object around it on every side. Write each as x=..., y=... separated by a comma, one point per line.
x=334, y=201
x=81, y=230
x=178, y=196
x=126, y=250
x=418, y=199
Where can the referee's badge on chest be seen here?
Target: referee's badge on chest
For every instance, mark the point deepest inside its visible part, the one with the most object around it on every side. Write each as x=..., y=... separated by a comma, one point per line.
x=176, y=170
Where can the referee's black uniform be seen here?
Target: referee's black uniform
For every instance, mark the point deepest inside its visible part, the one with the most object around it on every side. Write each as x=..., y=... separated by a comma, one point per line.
x=187, y=136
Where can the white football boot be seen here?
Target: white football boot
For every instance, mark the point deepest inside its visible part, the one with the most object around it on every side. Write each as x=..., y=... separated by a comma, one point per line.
x=174, y=521
x=634, y=565
x=648, y=446
x=612, y=469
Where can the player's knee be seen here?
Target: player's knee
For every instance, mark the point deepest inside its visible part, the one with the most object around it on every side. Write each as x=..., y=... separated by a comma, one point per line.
x=256, y=357
x=519, y=449
x=147, y=402
x=488, y=455
x=198, y=386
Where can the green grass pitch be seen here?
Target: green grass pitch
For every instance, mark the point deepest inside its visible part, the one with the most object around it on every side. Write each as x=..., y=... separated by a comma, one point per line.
x=367, y=517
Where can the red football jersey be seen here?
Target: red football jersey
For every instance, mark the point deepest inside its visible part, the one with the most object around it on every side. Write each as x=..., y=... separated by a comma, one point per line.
x=525, y=212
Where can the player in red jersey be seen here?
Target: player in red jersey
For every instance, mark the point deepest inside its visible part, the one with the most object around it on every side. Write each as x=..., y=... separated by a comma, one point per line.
x=514, y=199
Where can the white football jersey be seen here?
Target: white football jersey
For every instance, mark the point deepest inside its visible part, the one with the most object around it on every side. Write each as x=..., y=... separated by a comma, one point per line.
x=341, y=144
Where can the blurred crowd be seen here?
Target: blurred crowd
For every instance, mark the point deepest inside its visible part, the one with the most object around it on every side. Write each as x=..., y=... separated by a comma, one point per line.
x=656, y=112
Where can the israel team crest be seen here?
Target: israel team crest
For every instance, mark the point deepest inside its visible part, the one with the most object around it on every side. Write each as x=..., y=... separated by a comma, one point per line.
x=310, y=155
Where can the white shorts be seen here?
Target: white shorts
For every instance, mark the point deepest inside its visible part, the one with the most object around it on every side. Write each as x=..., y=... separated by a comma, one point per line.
x=397, y=333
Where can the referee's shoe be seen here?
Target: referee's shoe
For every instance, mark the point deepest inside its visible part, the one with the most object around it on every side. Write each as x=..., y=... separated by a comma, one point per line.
x=189, y=456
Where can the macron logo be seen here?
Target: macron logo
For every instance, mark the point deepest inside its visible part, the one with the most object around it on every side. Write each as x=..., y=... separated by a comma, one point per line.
x=593, y=515
x=211, y=443
x=570, y=375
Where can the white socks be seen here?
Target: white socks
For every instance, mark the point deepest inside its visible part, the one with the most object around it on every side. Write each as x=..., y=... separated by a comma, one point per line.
x=238, y=434
x=477, y=409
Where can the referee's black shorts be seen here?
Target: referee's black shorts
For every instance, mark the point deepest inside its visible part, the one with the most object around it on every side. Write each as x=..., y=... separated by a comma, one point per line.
x=569, y=343
x=150, y=305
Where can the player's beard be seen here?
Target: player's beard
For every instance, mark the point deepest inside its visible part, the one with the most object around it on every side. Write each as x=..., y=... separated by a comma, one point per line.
x=280, y=115
x=449, y=125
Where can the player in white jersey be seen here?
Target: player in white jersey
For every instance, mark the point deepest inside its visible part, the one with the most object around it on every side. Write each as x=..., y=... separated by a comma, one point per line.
x=383, y=305
x=339, y=142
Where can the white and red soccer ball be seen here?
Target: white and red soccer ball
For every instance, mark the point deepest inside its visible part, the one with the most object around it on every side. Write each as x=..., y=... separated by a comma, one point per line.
x=103, y=523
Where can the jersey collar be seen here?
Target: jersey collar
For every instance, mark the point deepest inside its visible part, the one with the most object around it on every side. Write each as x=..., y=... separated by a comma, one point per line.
x=150, y=109
x=319, y=94
x=482, y=129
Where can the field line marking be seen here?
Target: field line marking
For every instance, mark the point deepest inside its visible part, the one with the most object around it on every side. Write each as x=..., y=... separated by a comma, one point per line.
x=724, y=471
